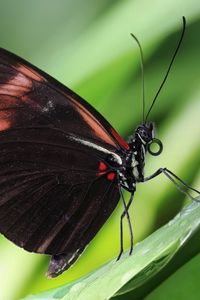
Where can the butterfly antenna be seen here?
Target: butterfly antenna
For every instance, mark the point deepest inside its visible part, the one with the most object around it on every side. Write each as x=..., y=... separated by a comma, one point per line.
x=142, y=73
x=168, y=70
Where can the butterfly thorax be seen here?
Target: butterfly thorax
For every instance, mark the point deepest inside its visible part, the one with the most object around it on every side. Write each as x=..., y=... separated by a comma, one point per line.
x=133, y=165
x=138, y=159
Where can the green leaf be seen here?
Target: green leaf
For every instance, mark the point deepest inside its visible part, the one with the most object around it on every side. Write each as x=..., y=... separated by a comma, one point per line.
x=183, y=284
x=149, y=257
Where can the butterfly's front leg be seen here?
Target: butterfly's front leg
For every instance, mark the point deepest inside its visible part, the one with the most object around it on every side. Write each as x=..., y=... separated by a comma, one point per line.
x=173, y=178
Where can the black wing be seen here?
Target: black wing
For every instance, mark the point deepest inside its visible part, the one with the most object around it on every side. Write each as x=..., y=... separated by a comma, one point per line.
x=54, y=196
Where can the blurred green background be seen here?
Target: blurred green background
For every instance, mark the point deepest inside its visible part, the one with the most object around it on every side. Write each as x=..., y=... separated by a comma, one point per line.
x=87, y=46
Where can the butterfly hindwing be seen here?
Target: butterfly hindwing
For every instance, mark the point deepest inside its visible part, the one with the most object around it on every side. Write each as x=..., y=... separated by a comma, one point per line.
x=105, y=203
x=49, y=217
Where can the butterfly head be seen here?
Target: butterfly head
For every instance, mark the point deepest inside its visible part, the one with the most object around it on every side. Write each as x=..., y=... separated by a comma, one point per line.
x=145, y=134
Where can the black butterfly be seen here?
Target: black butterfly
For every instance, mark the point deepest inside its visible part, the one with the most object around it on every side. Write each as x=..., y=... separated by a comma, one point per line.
x=63, y=166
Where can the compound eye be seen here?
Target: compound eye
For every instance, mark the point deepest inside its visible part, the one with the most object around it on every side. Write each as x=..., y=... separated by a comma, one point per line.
x=145, y=134
x=159, y=147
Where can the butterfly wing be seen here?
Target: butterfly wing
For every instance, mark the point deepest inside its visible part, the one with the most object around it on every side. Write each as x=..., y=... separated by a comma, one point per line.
x=53, y=196
x=62, y=108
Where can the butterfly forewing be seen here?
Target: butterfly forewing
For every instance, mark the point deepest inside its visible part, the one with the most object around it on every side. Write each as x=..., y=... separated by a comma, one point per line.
x=42, y=98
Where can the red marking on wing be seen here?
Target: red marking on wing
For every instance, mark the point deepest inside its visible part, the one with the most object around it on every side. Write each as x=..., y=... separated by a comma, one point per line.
x=20, y=80
x=16, y=86
x=102, y=166
x=12, y=90
x=30, y=73
x=5, y=124
x=119, y=139
x=6, y=117
x=6, y=103
x=111, y=176
x=101, y=173
x=94, y=124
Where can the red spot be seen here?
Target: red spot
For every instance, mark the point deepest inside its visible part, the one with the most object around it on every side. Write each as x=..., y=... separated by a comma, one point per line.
x=119, y=139
x=102, y=166
x=111, y=176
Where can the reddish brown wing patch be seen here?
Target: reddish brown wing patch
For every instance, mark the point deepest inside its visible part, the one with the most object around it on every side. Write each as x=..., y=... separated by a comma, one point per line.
x=4, y=124
x=28, y=72
x=60, y=105
x=119, y=139
x=16, y=65
x=17, y=86
x=94, y=124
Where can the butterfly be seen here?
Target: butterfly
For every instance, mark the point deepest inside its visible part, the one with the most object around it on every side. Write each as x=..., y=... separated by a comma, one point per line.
x=63, y=166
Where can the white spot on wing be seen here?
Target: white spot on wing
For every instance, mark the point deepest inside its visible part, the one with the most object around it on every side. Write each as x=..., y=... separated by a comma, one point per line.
x=49, y=106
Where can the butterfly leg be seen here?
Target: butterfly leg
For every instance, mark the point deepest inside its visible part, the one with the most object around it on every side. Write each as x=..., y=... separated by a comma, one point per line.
x=125, y=213
x=174, y=178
